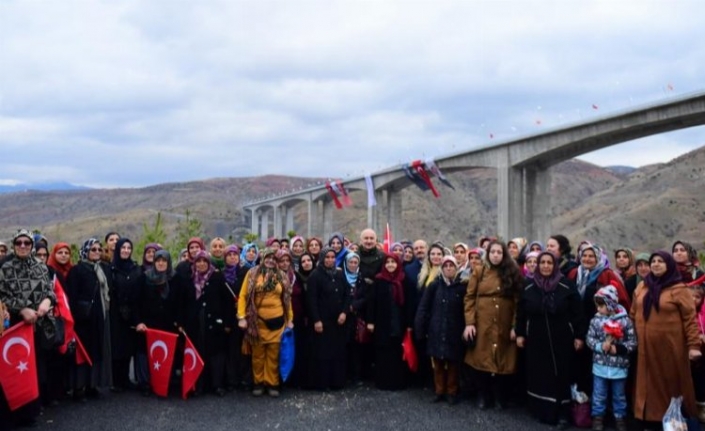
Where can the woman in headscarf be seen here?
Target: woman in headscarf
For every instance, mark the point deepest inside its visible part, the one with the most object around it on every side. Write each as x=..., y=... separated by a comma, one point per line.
x=530, y=264
x=517, y=249
x=194, y=246
x=217, y=252
x=263, y=310
x=667, y=335
x=490, y=310
x=440, y=321
x=624, y=263
x=398, y=249
x=156, y=307
x=60, y=262
x=298, y=377
x=388, y=317
x=641, y=270
x=298, y=247
x=560, y=246
x=249, y=257
x=460, y=253
x=125, y=288
x=209, y=316
x=359, y=354
x=687, y=261
x=273, y=243
x=336, y=243
x=593, y=274
x=314, y=246
x=551, y=306
x=41, y=252
x=536, y=246
x=327, y=306
x=408, y=253
x=476, y=258
x=148, y=255
x=89, y=297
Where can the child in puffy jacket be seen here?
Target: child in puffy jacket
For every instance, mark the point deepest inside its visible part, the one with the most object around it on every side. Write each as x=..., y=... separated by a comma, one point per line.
x=612, y=338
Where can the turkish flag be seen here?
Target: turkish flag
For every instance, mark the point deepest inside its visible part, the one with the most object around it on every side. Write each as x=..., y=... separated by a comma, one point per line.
x=18, y=368
x=161, y=347
x=387, y=244
x=63, y=310
x=193, y=366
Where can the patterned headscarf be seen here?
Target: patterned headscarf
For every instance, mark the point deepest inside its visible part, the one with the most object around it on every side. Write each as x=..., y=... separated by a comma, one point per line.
x=201, y=278
x=243, y=255
x=588, y=276
x=86, y=247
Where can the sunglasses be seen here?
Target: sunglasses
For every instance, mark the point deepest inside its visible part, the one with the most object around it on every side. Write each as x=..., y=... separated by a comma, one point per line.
x=23, y=243
x=96, y=249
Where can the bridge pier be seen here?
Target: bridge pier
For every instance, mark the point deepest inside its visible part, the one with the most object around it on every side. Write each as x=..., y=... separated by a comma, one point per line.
x=289, y=223
x=254, y=222
x=264, y=226
x=327, y=220
x=393, y=198
x=523, y=202
x=277, y=221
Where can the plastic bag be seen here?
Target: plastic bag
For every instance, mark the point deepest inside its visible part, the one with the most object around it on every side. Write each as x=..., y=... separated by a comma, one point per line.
x=286, y=353
x=581, y=414
x=578, y=396
x=673, y=420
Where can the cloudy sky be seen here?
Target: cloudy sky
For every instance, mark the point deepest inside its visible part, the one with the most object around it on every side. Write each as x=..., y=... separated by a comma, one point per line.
x=132, y=93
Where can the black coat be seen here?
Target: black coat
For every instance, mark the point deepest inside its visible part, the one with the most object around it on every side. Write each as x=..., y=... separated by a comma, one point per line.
x=82, y=286
x=390, y=320
x=440, y=319
x=327, y=296
x=122, y=319
x=155, y=311
x=206, y=318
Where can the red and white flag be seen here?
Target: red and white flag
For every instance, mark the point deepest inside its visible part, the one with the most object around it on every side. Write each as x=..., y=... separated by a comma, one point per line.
x=161, y=347
x=193, y=366
x=387, y=244
x=18, y=367
x=63, y=310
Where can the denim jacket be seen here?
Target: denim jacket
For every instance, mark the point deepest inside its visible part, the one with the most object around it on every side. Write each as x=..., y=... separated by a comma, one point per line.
x=607, y=365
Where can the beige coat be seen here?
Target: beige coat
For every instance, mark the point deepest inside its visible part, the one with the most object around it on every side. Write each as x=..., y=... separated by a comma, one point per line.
x=493, y=316
x=663, y=368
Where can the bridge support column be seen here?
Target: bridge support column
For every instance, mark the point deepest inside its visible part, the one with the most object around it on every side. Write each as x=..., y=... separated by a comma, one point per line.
x=289, y=223
x=509, y=202
x=537, y=201
x=264, y=226
x=277, y=230
x=312, y=206
x=256, y=216
x=394, y=213
x=373, y=221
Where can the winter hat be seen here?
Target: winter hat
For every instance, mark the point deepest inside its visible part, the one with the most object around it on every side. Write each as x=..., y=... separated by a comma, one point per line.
x=609, y=295
x=642, y=257
x=23, y=232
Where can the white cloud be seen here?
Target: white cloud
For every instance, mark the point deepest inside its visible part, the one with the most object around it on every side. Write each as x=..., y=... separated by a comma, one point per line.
x=329, y=88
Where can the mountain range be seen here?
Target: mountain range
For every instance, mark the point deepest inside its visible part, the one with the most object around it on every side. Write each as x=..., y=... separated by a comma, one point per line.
x=645, y=208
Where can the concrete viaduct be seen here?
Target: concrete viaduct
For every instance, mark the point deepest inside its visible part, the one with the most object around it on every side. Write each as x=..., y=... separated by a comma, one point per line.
x=524, y=182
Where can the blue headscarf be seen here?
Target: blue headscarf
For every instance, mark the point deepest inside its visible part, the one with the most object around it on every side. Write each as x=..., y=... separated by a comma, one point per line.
x=243, y=255
x=351, y=276
x=339, y=256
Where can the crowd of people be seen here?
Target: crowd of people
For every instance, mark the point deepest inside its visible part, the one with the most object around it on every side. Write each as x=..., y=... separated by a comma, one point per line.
x=503, y=322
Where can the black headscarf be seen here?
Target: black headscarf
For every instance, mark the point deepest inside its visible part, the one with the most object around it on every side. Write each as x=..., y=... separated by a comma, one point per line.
x=656, y=284
x=123, y=265
x=548, y=284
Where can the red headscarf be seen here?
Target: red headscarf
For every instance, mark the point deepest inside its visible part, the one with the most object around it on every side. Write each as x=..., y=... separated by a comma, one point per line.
x=395, y=278
x=62, y=270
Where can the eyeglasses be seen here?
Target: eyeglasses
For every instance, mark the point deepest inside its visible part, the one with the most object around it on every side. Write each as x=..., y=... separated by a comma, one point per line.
x=23, y=243
x=96, y=249
x=42, y=255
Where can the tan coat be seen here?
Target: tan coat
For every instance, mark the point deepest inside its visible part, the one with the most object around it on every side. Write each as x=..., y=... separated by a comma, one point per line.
x=493, y=316
x=663, y=368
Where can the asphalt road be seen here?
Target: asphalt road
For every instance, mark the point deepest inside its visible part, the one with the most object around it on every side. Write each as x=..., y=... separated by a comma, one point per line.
x=358, y=409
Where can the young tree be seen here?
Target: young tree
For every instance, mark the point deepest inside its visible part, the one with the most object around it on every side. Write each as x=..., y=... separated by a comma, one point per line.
x=150, y=234
x=251, y=237
x=188, y=228
x=291, y=234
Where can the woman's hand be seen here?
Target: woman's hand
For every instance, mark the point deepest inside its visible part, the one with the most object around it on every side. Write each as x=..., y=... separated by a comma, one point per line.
x=469, y=332
x=512, y=335
x=578, y=344
x=318, y=327
x=521, y=342
x=242, y=324
x=28, y=315
x=341, y=319
x=694, y=354
x=290, y=325
x=371, y=327
x=141, y=328
x=44, y=308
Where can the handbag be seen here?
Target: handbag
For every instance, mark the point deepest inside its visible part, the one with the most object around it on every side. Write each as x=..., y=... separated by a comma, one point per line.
x=82, y=310
x=274, y=323
x=580, y=413
x=51, y=332
x=362, y=335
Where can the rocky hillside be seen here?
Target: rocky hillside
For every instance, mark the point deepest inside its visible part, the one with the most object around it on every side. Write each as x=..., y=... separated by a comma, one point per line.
x=647, y=208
